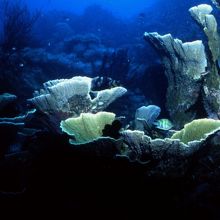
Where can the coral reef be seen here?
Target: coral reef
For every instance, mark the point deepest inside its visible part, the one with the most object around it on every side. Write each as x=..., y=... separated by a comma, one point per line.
x=81, y=54
x=184, y=64
x=65, y=98
x=91, y=151
x=189, y=65
x=202, y=14
x=211, y=98
x=145, y=116
x=17, y=25
x=166, y=157
x=87, y=127
x=197, y=130
x=6, y=98
x=162, y=157
x=146, y=120
x=216, y=3
x=14, y=131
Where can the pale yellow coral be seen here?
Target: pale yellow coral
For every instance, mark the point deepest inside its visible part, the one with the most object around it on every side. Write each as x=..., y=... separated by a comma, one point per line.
x=197, y=130
x=87, y=127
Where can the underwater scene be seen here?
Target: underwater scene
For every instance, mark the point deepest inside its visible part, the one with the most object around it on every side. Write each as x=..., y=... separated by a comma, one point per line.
x=110, y=109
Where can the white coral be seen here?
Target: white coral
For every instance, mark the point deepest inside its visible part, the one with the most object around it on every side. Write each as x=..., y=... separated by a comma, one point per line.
x=70, y=97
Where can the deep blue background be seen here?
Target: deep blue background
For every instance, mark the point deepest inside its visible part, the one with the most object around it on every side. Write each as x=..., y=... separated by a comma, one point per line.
x=122, y=8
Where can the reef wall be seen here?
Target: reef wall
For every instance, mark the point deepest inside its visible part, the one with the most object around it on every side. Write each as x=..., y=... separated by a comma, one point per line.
x=191, y=70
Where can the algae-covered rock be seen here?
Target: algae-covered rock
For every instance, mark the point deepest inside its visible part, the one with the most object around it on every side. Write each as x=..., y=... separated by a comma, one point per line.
x=185, y=65
x=87, y=127
x=197, y=130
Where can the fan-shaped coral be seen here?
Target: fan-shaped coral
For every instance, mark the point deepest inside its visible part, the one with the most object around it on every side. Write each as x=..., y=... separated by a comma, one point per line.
x=65, y=98
x=87, y=127
x=70, y=97
x=197, y=130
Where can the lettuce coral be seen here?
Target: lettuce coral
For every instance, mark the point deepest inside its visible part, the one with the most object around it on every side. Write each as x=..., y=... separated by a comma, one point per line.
x=197, y=130
x=70, y=97
x=87, y=127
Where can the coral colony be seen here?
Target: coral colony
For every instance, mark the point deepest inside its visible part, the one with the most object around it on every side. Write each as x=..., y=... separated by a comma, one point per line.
x=100, y=116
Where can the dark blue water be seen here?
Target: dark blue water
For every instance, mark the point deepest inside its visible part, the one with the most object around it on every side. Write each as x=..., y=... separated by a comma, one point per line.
x=120, y=20
x=120, y=8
